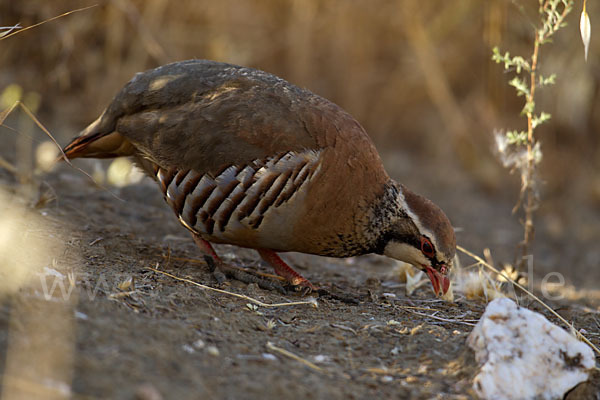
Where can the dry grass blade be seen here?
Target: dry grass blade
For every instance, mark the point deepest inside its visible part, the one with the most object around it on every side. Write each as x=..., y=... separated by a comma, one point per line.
x=8, y=166
x=453, y=321
x=8, y=29
x=41, y=126
x=311, y=301
x=7, y=112
x=418, y=308
x=197, y=261
x=64, y=157
x=291, y=355
x=533, y=296
x=47, y=20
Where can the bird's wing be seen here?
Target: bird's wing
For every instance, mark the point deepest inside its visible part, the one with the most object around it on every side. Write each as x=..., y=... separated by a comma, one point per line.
x=207, y=116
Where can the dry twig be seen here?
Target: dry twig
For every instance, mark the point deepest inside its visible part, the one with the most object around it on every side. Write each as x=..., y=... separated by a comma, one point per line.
x=310, y=301
x=454, y=321
x=293, y=356
x=47, y=20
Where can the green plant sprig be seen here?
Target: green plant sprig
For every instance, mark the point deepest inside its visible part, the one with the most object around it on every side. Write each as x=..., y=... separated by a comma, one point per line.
x=552, y=14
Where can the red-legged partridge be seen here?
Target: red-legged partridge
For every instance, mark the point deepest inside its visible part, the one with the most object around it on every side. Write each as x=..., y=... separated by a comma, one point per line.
x=244, y=157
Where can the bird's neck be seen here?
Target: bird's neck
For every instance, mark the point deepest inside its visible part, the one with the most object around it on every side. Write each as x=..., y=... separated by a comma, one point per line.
x=388, y=217
x=374, y=225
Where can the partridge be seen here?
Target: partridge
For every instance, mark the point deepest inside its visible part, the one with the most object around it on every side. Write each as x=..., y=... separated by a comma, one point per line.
x=243, y=157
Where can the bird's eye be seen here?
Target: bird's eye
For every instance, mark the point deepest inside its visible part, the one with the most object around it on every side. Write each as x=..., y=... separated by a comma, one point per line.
x=426, y=247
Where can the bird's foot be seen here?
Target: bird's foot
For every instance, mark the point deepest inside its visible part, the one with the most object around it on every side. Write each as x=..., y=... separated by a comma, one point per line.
x=300, y=283
x=222, y=271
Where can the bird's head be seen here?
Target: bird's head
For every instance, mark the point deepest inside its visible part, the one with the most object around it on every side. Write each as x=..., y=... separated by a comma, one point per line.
x=422, y=236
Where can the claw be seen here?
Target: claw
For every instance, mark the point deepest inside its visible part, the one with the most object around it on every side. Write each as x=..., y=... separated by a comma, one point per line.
x=305, y=289
x=282, y=269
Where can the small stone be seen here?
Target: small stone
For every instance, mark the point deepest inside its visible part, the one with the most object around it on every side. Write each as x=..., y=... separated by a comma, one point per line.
x=213, y=351
x=188, y=349
x=269, y=356
x=147, y=391
x=80, y=315
x=321, y=358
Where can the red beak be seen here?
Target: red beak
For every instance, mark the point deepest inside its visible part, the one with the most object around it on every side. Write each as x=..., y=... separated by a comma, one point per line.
x=440, y=282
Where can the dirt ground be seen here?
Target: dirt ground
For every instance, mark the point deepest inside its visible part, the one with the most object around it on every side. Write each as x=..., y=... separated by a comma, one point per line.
x=125, y=331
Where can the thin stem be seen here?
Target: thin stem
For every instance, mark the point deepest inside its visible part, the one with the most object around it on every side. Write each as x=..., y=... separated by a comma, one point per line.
x=529, y=176
x=527, y=179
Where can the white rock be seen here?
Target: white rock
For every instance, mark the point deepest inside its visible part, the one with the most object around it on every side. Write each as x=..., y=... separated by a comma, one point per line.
x=524, y=356
x=213, y=351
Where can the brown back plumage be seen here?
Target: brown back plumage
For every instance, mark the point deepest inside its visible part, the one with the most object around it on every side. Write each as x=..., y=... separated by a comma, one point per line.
x=201, y=115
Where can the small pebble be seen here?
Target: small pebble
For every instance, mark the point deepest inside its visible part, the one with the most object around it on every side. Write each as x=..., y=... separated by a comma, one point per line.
x=269, y=356
x=320, y=358
x=213, y=351
x=80, y=315
x=188, y=349
x=147, y=391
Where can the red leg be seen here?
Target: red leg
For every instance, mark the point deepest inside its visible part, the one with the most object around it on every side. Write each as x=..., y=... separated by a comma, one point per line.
x=221, y=270
x=284, y=270
x=206, y=247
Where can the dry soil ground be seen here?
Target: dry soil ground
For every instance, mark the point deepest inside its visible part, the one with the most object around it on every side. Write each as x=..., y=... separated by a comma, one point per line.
x=127, y=331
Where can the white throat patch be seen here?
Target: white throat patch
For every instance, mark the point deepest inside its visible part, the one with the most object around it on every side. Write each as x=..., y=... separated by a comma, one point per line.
x=405, y=252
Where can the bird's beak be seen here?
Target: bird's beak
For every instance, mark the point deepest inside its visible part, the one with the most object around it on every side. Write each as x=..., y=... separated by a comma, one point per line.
x=440, y=282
